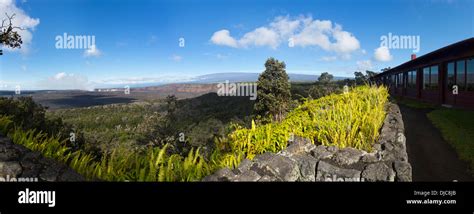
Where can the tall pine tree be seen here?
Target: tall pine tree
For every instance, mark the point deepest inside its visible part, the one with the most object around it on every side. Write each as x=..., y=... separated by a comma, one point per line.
x=273, y=93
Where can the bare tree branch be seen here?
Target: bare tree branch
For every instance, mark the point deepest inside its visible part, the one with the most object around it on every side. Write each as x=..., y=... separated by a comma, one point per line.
x=9, y=37
x=9, y=19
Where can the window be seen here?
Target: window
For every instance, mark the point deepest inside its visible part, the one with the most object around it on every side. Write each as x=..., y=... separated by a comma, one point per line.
x=460, y=77
x=430, y=78
x=411, y=79
x=470, y=74
x=451, y=80
x=399, y=80
x=426, y=78
x=405, y=80
x=395, y=80
x=402, y=80
x=434, y=77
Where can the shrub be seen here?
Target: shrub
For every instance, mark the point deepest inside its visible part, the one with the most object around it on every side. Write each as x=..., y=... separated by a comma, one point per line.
x=28, y=115
x=351, y=119
x=119, y=165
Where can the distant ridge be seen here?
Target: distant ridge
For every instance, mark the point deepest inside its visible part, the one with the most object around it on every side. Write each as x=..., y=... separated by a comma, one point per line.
x=201, y=79
x=251, y=77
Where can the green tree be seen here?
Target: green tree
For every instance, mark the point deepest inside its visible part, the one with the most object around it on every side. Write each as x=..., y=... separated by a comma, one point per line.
x=9, y=37
x=171, y=106
x=29, y=115
x=273, y=94
x=324, y=86
x=325, y=78
x=165, y=128
x=360, y=78
x=169, y=126
x=370, y=74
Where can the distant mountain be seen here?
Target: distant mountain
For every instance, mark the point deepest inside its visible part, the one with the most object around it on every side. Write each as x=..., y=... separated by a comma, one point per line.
x=251, y=77
x=215, y=78
x=222, y=77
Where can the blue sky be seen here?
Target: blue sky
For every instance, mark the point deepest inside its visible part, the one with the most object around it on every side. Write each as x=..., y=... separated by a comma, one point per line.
x=138, y=41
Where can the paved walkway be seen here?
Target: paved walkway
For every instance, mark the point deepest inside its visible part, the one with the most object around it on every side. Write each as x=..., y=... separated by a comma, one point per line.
x=431, y=157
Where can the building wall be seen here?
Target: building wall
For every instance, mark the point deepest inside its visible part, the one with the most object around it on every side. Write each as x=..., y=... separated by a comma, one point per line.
x=442, y=94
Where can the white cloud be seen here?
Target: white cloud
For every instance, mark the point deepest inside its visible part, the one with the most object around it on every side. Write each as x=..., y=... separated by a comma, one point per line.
x=345, y=41
x=176, y=58
x=59, y=76
x=223, y=37
x=364, y=65
x=284, y=26
x=63, y=80
x=93, y=51
x=260, y=37
x=304, y=31
x=313, y=34
x=21, y=20
x=382, y=54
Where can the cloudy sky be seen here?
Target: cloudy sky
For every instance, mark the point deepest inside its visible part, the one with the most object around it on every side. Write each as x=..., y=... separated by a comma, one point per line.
x=166, y=41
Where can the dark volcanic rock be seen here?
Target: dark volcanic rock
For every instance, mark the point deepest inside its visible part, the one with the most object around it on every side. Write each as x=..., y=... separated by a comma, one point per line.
x=284, y=168
x=329, y=172
x=378, y=172
x=224, y=174
x=347, y=156
x=19, y=163
x=323, y=152
x=247, y=176
x=307, y=165
x=300, y=145
x=403, y=171
x=10, y=168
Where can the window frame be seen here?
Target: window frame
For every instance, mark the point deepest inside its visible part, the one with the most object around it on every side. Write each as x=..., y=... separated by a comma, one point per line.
x=430, y=86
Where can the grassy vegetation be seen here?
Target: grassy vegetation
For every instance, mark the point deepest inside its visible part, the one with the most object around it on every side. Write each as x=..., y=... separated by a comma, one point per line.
x=107, y=127
x=457, y=127
x=350, y=119
x=153, y=164
x=415, y=103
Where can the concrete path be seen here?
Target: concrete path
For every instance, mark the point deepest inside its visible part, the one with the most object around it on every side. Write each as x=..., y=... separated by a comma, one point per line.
x=431, y=157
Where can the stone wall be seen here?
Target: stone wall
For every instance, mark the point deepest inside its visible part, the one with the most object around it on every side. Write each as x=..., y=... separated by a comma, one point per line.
x=18, y=163
x=303, y=161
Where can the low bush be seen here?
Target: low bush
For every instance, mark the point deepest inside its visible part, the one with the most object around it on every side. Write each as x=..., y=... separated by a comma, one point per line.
x=351, y=119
